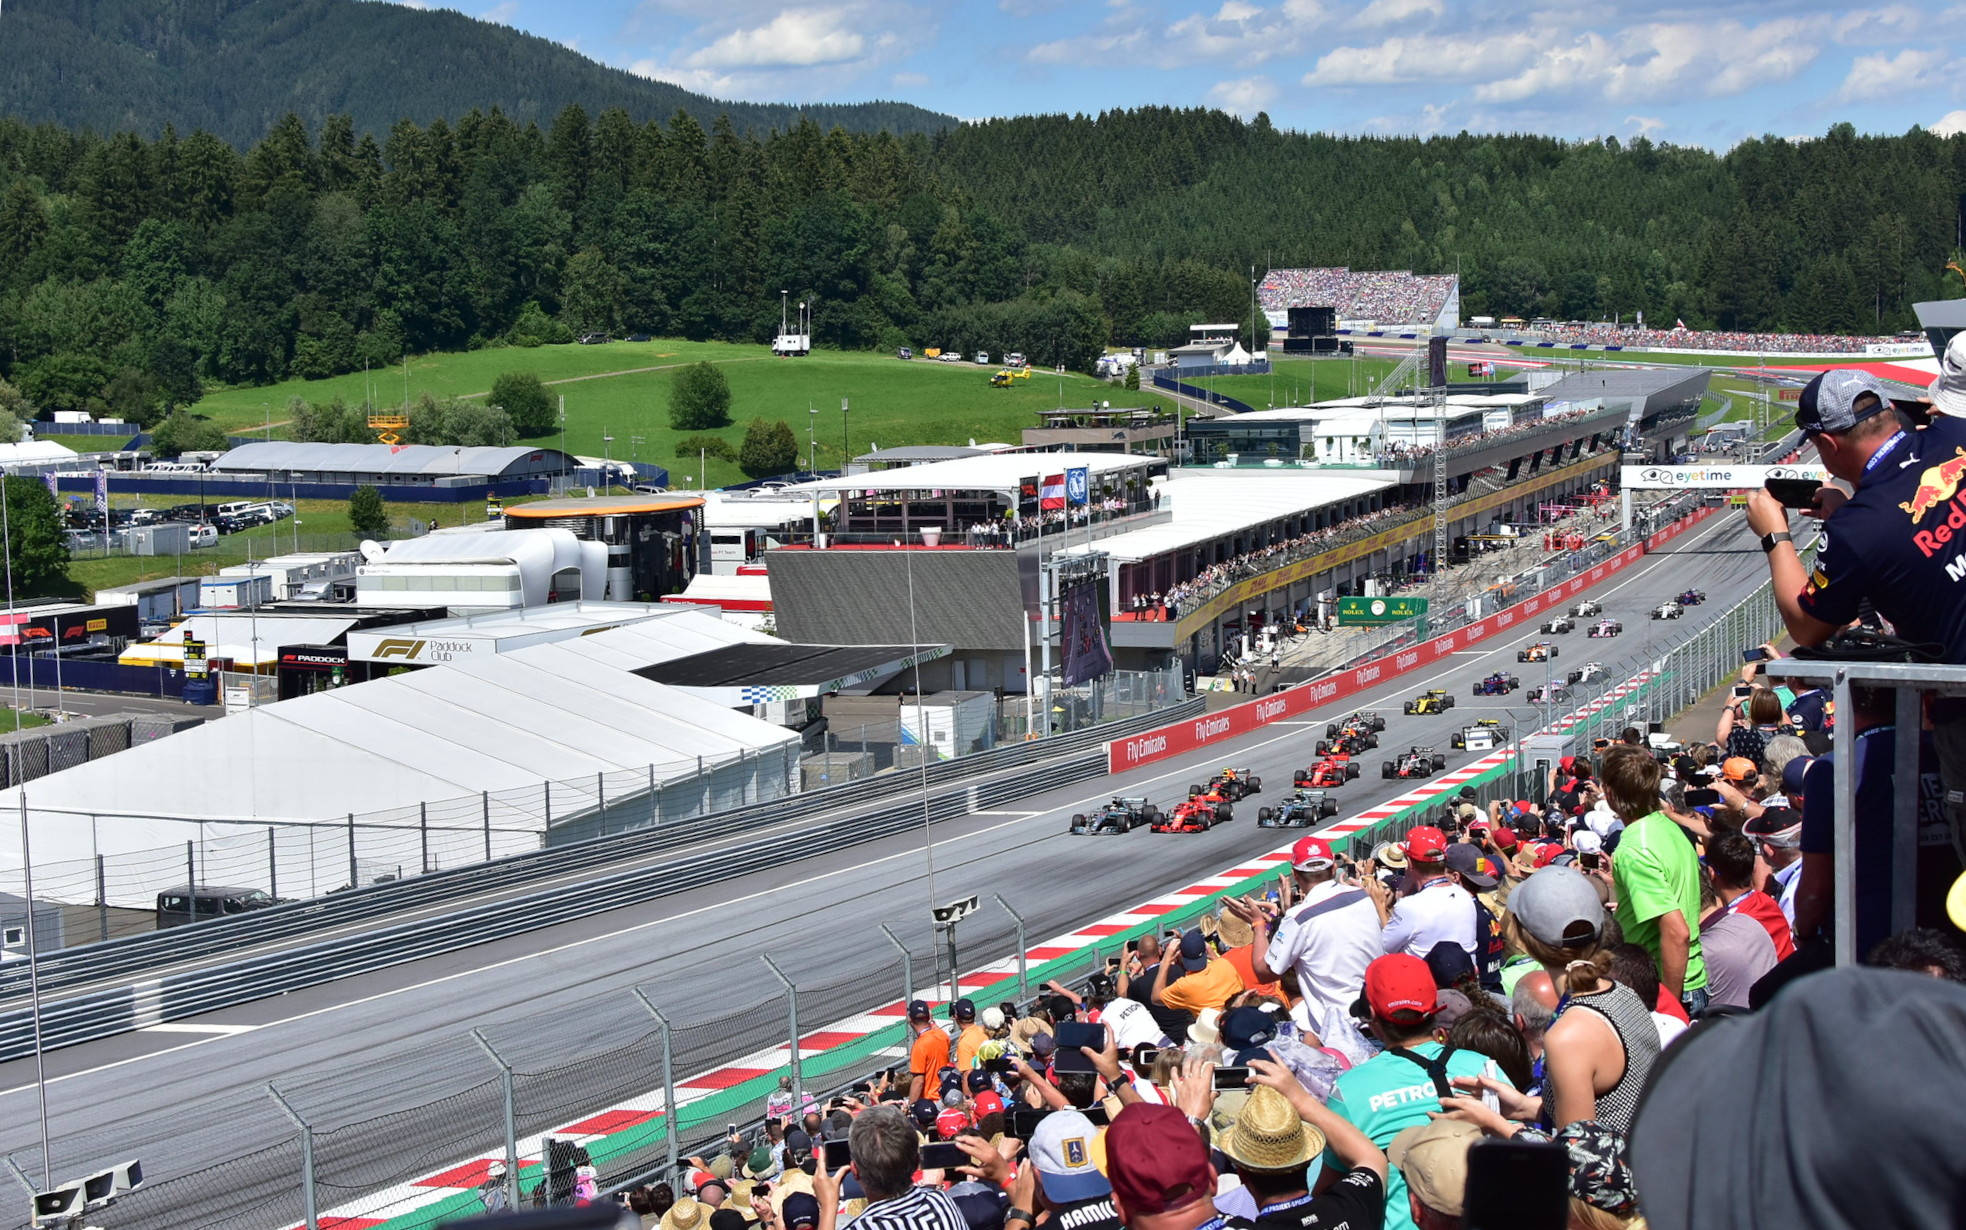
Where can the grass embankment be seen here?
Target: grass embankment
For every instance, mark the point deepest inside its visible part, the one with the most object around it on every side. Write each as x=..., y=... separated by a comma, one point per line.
x=622, y=390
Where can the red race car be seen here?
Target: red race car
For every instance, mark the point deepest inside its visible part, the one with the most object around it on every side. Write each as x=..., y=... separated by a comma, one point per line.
x=1327, y=774
x=1196, y=815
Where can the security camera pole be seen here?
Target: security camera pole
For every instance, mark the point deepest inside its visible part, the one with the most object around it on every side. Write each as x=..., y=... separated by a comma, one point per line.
x=946, y=917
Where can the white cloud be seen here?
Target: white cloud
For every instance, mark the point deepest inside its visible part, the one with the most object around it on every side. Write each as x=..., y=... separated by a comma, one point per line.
x=1387, y=12
x=1894, y=23
x=1645, y=124
x=1238, y=30
x=1912, y=71
x=1403, y=61
x=1555, y=70
x=790, y=40
x=1951, y=124
x=1243, y=95
x=1429, y=120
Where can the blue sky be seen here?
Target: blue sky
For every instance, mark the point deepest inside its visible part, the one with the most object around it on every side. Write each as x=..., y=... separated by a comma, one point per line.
x=1694, y=74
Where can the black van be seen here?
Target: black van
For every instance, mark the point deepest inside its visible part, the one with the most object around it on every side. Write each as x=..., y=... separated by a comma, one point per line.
x=204, y=902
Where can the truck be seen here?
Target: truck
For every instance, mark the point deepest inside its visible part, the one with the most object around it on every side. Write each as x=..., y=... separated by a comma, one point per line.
x=791, y=345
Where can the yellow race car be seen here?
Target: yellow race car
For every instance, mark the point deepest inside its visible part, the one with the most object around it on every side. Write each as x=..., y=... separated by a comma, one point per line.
x=1434, y=700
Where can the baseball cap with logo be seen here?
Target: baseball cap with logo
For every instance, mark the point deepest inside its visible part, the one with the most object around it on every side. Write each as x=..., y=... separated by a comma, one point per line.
x=1155, y=1161
x=949, y=1122
x=923, y=1112
x=1194, y=951
x=1738, y=769
x=1426, y=843
x=1583, y=841
x=1792, y=771
x=992, y=1019
x=1949, y=386
x=964, y=1010
x=1061, y=1149
x=801, y=1210
x=1504, y=839
x=1559, y=906
x=918, y=1010
x=1829, y=402
x=1247, y=1031
x=1471, y=865
x=1399, y=987
x=1312, y=854
x=1778, y=826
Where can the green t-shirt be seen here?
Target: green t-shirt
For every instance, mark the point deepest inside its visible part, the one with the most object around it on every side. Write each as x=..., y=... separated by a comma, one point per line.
x=1387, y=1094
x=1656, y=871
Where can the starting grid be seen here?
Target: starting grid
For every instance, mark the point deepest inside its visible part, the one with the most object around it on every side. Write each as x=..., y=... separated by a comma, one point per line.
x=870, y=1038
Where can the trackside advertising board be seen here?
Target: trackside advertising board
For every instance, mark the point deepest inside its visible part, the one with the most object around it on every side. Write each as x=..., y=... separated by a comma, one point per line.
x=1181, y=738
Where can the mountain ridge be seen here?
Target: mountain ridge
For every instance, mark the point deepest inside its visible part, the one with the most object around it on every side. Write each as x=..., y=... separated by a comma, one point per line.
x=235, y=67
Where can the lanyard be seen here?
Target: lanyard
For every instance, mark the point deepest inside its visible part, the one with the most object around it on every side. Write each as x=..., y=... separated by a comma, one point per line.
x=1877, y=458
x=1427, y=884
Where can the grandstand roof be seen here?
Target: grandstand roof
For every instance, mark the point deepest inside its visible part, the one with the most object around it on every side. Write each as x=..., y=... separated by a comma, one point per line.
x=991, y=472
x=1385, y=407
x=429, y=460
x=36, y=453
x=1207, y=504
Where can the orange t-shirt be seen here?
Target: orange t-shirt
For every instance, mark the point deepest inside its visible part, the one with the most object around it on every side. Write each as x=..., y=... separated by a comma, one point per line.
x=926, y=1059
x=1211, y=986
x=967, y=1044
x=1244, y=960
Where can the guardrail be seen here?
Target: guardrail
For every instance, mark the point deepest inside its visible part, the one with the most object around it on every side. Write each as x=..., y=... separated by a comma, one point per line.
x=174, y=995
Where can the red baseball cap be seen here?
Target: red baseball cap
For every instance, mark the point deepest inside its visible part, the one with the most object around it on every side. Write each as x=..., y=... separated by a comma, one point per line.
x=1312, y=854
x=1156, y=1161
x=1504, y=839
x=1426, y=843
x=1400, y=987
x=1547, y=851
x=987, y=1103
x=949, y=1122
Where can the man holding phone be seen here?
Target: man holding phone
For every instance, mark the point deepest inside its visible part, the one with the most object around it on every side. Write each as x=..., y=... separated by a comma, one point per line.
x=1894, y=543
x=1328, y=938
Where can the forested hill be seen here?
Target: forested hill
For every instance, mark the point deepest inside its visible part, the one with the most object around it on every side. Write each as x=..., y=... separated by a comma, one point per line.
x=132, y=270
x=234, y=67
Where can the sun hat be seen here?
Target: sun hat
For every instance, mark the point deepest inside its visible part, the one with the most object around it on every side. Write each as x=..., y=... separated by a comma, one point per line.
x=1433, y=1157
x=1206, y=1029
x=1269, y=1135
x=686, y=1214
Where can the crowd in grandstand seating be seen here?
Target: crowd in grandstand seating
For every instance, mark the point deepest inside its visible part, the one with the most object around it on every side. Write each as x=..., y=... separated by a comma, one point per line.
x=1011, y=531
x=1590, y=973
x=1394, y=296
x=1400, y=452
x=1704, y=339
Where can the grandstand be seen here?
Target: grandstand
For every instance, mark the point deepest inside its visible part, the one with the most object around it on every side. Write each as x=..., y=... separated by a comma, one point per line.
x=1365, y=298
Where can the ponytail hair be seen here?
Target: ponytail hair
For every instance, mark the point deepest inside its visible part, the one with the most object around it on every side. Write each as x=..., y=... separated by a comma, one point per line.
x=1584, y=975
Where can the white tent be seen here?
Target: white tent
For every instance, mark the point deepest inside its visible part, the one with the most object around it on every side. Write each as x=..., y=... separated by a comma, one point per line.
x=436, y=768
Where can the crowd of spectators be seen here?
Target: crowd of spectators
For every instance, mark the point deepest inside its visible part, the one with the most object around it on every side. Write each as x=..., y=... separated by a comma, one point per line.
x=1014, y=530
x=1706, y=339
x=1386, y=296
x=1580, y=974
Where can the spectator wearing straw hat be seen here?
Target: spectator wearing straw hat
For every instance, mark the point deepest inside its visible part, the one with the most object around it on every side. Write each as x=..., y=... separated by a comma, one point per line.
x=1276, y=1135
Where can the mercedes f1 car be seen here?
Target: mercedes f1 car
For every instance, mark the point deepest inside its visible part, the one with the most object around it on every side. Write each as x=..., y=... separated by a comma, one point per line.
x=1417, y=762
x=1497, y=684
x=1433, y=700
x=1300, y=811
x=1587, y=608
x=1484, y=736
x=1195, y=815
x=1559, y=625
x=1327, y=774
x=1541, y=651
x=1691, y=597
x=1121, y=815
x=1668, y=610
x=1605, y=627
x=1230, y=785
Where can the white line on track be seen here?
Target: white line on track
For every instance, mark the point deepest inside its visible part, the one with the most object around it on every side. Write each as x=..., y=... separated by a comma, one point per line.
x=1184, y=769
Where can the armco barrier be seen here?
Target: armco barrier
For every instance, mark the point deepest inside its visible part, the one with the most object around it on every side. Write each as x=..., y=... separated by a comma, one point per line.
x=1180, y=738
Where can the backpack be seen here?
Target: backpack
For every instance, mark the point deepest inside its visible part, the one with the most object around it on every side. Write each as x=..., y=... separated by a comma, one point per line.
x=1490, y=949
x=1436, y=1068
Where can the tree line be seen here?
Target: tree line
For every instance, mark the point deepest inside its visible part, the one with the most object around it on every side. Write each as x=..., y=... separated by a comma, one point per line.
x=134, y=272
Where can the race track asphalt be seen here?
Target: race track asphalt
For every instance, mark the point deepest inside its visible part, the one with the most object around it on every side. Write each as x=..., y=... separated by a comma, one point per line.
x=186, y=1096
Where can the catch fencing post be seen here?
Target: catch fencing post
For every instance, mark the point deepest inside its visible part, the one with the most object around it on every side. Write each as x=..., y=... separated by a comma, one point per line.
x=102, y=897
x=354, y=875
x=907, y=967
x=191, y=880
x=601, y=794
x=669, y=1106
x=272, y=865
x=484, y=805
x=310, y=1218
x=1023, y=971
x=423, y=833
x=792, y=1021
x=510, y=1094
x=547, y=786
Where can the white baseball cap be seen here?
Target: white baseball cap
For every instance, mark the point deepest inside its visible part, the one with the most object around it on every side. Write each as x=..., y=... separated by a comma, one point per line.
x=1949, y=386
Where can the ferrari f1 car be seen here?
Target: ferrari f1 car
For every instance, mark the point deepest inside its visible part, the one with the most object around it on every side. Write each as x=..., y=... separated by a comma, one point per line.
x=1485, y=735
x=1329, y=773
x=1230, y=785
x=1559, y=625
x=1497, y=684
x=1300, y=811
x=1195, y=815
x=1433, y=700
x=1417, y=762
x=1541, y=651
x=1121, y=815
x=1605, y=627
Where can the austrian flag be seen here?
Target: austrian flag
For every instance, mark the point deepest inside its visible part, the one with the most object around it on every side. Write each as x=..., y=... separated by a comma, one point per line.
x=1051, y=492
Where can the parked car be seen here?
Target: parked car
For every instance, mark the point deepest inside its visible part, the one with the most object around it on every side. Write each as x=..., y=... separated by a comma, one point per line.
x=983, y=358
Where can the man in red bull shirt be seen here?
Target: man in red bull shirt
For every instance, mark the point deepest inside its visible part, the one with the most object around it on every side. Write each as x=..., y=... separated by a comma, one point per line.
x=1898, y=543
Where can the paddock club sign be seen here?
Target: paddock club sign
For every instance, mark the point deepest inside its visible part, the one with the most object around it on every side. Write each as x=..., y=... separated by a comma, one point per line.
x=1182, y=738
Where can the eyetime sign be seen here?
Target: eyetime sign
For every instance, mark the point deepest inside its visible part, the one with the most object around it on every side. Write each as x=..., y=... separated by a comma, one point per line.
x=1714, y=477
x=1365, y=612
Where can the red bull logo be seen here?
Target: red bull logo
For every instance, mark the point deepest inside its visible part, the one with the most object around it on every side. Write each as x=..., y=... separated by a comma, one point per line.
x=1936, y=485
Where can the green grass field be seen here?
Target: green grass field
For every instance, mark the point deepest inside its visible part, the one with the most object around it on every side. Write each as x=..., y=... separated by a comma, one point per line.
x=16, y=719
x=611, y=390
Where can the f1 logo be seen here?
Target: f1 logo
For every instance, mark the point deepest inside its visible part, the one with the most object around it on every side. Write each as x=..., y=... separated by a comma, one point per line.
x=398, y=648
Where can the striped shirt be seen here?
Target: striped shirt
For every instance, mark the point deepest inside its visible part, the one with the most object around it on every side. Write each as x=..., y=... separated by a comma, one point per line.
x=923, y=1208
